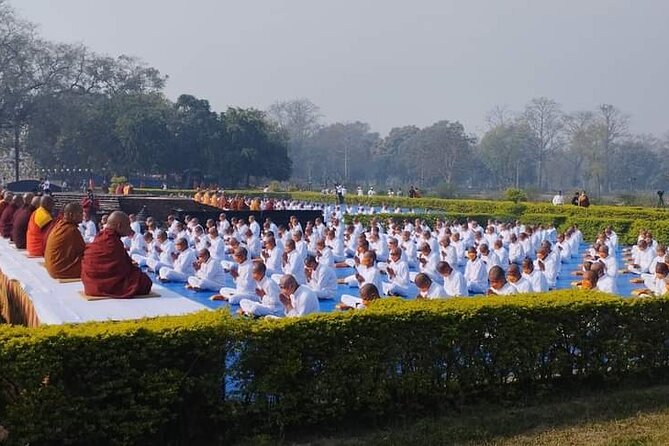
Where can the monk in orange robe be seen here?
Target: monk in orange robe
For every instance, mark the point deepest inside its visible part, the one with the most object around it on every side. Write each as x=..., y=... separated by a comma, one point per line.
x=38, y=227
x=7, y=217
x=21, y=218
x=106, y=269
x=65, y=245
x=6, y=199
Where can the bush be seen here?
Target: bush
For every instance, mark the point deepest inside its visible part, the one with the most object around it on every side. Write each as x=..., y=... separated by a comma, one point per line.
x=515, y=195
x=208, y=378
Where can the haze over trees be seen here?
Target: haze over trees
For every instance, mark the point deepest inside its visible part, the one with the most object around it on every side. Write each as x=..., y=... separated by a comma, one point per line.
x=64, y=106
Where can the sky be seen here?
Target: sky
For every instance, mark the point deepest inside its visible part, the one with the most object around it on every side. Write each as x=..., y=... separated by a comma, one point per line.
x=388, y=62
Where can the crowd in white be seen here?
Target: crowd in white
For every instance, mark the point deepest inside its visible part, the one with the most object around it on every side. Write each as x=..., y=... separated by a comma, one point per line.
x=285, y=270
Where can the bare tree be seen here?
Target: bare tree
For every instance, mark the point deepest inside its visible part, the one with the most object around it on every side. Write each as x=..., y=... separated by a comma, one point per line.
x=543, y=118
x=300, y=120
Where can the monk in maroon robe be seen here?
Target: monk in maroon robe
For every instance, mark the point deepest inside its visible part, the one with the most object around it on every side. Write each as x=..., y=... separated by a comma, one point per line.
x=21, y=218
x=106, y=269
x=7, y=217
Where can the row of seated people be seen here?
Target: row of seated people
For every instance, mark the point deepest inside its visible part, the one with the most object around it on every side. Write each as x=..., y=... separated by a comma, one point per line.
x=102, y=265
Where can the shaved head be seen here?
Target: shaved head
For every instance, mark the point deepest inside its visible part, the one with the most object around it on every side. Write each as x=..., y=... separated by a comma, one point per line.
x=47, y=202
x=119, y=222
x=73, y=213
x=35, y=202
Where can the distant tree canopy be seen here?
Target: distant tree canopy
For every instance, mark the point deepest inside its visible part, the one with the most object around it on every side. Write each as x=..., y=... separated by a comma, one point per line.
x=67, y=107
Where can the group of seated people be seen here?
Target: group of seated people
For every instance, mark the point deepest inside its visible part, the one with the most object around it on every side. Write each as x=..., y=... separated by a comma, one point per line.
x=451, y=260
x=286, y=270
x=102, y=264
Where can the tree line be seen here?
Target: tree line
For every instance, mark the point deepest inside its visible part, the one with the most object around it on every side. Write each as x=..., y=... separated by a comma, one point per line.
x=65, y=106
x=540, y=147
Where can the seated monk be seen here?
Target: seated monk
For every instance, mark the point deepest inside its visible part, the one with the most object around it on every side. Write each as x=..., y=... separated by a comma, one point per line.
x=6, y=199
x=7, y=217
x=21, y=218
x=38, y=227
x=106, y=269
x=65, y=245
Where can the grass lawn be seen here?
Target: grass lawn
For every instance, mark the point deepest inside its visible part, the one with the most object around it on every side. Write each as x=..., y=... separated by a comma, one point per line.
x=625, y=417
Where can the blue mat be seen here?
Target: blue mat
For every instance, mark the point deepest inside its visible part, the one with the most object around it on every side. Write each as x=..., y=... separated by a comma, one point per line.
x=564, y=282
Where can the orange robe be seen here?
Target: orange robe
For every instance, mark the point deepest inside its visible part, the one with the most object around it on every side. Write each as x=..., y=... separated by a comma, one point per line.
x=7, y=220
x=38, y=229
x=64, y=251
x=21, y=219
x=106, y=269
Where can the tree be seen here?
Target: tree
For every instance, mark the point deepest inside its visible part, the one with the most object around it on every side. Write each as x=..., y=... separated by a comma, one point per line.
x=259, y=147
x=344, y=152
x=543, y=118
x=391, y=153
x=506, y=152
x=441, y=151
x=581, y=148
x=300, y=120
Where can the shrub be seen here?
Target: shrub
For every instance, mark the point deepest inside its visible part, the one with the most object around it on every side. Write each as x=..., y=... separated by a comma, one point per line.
x=207, y=378
x=515, y=195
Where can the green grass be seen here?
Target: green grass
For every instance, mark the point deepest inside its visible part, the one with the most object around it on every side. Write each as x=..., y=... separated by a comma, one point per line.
x=626, y=417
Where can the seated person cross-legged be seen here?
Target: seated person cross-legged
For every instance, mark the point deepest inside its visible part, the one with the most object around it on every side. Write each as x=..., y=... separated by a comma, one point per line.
x=368, y=294
x=106, y=269
x=65, y=245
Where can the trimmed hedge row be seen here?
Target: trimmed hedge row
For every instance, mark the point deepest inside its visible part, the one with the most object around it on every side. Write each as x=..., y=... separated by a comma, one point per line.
x=462, y=206
x=208, y=378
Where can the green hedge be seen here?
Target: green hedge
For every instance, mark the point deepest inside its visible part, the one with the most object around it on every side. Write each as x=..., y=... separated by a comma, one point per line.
x=168, y=380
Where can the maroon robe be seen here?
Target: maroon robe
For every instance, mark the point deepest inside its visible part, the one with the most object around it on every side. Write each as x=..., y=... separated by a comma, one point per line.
x=20, y=227
x=7, y=220
x=106, y=269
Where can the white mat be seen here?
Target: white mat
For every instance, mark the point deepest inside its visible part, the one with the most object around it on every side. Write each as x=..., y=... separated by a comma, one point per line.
x=60, y=303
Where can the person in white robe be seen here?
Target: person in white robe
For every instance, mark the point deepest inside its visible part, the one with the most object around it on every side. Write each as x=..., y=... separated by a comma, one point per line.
x=367, y=272
x=447, y=252
x=428, y=289
x=88, y=228
x=182, y=267
x=536, y=278
x=547, y=266
x=427, y=262
x=165, y=250
x=498, y=283
x=368, y=294
x=209, y=274
x=502, y=254
x=516, y=250
x=642, y=258
x=244, y=283
x=605, y=283
x=254, y=226
x=293, y=263
x=272, y=255
x=476, y=273
x=324, y=254
x=138, y=244
x=398, y=274
x=515, y=277
x=321, y=278
x=455, y=284
x=267, y=291
x=408, y=246
x=298, y=300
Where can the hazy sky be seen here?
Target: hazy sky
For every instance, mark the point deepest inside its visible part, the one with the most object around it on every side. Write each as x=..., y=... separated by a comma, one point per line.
x=388, y=62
